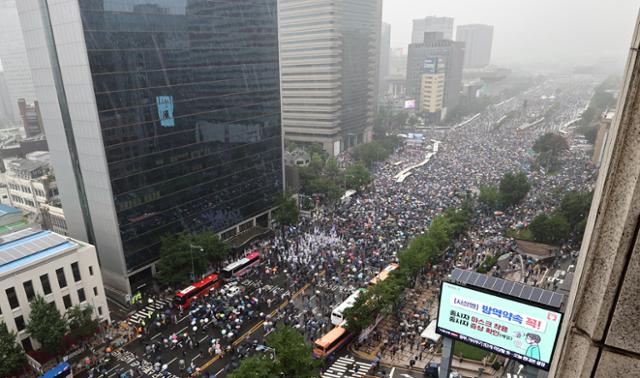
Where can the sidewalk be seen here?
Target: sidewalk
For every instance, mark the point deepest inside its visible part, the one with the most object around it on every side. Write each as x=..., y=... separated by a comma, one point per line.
x=410, y=347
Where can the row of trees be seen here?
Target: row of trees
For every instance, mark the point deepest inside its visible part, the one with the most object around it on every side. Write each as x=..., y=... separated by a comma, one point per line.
x=184, y=254
x=570, y=219
x=600, y=101
x=385, y=297
x=48, y=327
x=287, y=355
x=512, y=190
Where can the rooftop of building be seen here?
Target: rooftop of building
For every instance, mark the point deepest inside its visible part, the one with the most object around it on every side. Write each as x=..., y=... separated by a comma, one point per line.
x=28, y=246
x=27, y=165
x=5, y=209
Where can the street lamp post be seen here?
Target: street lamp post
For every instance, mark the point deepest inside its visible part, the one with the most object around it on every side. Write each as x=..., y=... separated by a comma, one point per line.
x=193, y=269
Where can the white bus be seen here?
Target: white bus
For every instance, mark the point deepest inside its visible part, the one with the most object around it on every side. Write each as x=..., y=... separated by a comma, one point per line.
x=337, y=313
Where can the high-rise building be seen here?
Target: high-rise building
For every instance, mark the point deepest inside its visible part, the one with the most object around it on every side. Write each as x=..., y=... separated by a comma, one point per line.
x=452, y=55
x=329, y=54
x=431, y=24
x=478, y=40
x=432, y=85
x=14, y=57
x=385, y=56
x=161, y=116
x=6, y=108
x=31, y=118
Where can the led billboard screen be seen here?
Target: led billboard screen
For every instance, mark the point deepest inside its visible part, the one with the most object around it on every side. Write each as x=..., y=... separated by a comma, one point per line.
x=520, y=331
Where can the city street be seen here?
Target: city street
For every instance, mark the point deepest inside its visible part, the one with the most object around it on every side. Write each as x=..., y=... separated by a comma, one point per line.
x=329, y=256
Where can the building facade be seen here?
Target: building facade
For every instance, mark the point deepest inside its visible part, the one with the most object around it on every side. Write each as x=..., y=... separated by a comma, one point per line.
x=385, y=58
x=478, y=40
x=431, y=24
x=329, y=54
x=602, y=137
x=432, y=85
x=31, y=118
x=62, y=270
x=14, y=57
x=161, y=116
x=53, y=218
x=30, y=184
x=449, y=52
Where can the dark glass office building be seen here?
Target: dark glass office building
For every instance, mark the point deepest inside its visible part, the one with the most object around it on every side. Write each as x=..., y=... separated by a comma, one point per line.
x=185, y=99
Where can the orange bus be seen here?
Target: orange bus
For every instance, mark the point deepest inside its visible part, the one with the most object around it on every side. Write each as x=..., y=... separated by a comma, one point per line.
x=331, y=342
x=384, y=274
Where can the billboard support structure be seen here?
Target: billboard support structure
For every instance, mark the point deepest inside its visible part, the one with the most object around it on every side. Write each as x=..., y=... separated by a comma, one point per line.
x=447, y=354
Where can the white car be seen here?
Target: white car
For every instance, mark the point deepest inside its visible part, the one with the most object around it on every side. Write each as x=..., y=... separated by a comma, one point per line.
x=232, y=291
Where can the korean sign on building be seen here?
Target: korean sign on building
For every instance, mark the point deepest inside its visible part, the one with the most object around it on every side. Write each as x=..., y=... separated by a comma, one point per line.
x=520, y=331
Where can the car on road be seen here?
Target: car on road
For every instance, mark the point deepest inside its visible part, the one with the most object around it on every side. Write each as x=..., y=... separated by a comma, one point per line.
x=231, y=289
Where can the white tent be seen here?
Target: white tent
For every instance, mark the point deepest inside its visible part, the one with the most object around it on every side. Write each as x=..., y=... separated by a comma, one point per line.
x=430, y=334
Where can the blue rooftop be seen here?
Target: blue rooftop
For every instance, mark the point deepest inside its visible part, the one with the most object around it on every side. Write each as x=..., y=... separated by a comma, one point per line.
x=25, y=247
x=4, y=209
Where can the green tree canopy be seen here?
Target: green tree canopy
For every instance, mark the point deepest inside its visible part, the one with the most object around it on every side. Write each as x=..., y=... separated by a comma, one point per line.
x=550, y=229
x=288, y=211
x=549, y=147
x=293, y=356
x=357, y=176
x=177, y=251
x=575, y=207
x=489, y=197
x=255, y=367
x=514, y=187
x=12, y=356
x=46, y=325
x=81, y=321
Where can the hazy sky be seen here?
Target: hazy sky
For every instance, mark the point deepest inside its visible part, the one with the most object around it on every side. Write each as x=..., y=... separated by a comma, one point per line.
x=530, y=31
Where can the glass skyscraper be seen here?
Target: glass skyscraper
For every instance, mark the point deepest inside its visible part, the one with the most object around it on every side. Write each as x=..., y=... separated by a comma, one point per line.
x=163, y=116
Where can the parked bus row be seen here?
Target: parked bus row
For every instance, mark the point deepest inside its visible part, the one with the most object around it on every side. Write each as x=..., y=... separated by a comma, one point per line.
x=231, y=272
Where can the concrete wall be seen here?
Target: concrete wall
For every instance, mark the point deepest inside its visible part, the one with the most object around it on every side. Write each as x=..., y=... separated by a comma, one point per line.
x=601, y=337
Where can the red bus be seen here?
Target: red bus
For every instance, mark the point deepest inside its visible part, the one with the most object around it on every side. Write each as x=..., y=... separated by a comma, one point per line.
x=238, y=268
x=199, y=289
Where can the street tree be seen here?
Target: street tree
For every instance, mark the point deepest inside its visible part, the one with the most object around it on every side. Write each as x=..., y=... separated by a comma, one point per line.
x=288, y=212
x=46, y=325
x=489, y=197
x=575, y=207
x=11, y=354
x=514, y=188
x=357, y=176
x=550, y=229
x=183, y=254
x=292, y=353
x=332, y=169
x=255, y=367
x=550, y=147
x=81, y=321
x=370, y=153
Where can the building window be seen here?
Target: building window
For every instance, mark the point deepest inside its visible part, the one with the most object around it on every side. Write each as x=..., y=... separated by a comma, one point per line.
x=95, y=291
x=76, y=272
x=81, y=296
x=90, y=270
x=67, y=301
x=28, y=289
x=26, y=344
x=12, y=297
x=46, y=286
x=62, y=281
x=20, y=323
x=100, y=310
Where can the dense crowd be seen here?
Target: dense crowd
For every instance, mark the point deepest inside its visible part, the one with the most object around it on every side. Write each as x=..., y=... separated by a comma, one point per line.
x=346, y=245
